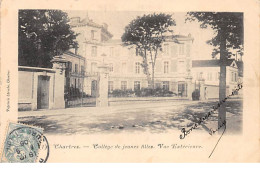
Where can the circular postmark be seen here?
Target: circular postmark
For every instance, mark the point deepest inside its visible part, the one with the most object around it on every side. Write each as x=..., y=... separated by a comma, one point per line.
x=26, y=145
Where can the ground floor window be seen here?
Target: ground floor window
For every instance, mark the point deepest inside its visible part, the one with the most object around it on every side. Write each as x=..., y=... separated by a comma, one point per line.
x=123, y=85
x=166, y=85
x=182, y=89
x=110, y=86
x=137, y=85
x=157, y=85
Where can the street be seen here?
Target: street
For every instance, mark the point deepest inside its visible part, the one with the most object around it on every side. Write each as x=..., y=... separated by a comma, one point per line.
x=151, y=116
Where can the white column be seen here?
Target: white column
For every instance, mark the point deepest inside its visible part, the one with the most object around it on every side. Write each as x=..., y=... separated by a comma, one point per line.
x=202, y=89
x=102, y=94
x=59, y=81
x=189, y=87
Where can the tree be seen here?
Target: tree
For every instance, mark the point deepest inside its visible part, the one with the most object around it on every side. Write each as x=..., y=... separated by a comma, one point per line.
x=42, y=35
x=146, y=34
x=229, y=37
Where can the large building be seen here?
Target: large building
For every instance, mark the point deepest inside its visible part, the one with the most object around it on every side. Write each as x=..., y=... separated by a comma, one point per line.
x=209, y=72
x=96, y=45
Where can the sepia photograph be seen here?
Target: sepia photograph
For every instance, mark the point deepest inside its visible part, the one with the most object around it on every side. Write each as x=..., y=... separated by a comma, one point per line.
x=142, y=81
x=88, y=72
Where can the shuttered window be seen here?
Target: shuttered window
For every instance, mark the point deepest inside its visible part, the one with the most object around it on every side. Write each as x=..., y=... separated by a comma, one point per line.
x=158, y=66
x=174, y=66
x=174, y=51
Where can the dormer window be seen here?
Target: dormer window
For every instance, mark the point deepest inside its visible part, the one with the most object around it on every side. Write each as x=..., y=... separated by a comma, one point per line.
x=111, y=52
x=93, y=32
x=181, y=49
x=166, y=49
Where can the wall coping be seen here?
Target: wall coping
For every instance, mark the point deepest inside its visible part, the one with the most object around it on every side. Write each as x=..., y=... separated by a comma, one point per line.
x=35, y=69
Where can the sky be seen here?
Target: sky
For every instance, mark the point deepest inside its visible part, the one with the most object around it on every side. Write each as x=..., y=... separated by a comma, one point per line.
x=117, y=20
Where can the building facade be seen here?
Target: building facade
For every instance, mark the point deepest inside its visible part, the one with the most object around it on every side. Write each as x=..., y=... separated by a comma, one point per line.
x=209, y=72
x=96, y=45
x=40, y=88
x=74, y=74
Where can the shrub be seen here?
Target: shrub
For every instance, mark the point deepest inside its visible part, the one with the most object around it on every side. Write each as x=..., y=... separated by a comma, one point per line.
x=144, y=92
x=121, y=93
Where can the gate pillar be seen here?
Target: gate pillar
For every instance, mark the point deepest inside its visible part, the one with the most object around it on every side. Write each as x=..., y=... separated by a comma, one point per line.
x=202, y=89
x=59, y=64
x=189, y=87
x=102, y=97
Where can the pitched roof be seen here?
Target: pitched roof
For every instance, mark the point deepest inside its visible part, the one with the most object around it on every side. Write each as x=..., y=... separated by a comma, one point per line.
x=171, y=38
x=114, y=41
x=73, y=54
x=89, y=22
x=210, y=63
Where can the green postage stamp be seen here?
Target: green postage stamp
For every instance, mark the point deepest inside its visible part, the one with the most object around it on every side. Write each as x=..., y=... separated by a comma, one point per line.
x=24, y=144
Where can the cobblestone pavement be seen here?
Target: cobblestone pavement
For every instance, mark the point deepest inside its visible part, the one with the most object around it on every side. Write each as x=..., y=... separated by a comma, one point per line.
x=151, y=116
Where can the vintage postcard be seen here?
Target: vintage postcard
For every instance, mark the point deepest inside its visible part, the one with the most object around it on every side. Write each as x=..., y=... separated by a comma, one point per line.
x=129, y=81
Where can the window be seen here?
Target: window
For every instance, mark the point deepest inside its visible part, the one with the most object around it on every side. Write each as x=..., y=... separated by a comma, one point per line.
x=174, y=50
x=111, y=51
x=123, y=85
x=197, y=75
x=117, y=52
x=93, y=67
x=110, y=86
x=82, y=70
x=76, y=68
x=70, y=66
x=233, y=76
x=209, y=76
x=181, y=67
x=93, y=34
x=137, y=85
x=111, y=68
x=131, y=51
x=157, y=85
x=166, y=49
x=166, y=67
x=201, y=75
x=137, y=52
x=166, y=85
x=216, y=76
x=181, y=49
x=137, y=68
x=94, y=51
x=123, y=67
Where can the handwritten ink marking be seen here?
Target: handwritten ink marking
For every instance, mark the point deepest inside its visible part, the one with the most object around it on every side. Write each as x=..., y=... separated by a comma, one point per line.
x=214, y=131
x=186, y=132
x=223, y=124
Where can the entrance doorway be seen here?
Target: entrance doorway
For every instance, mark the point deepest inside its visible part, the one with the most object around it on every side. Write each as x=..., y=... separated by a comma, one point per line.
x=43, y=92
x=182, y=89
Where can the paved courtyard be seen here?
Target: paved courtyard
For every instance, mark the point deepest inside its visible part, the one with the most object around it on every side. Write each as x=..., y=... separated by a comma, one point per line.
x=152, y=116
